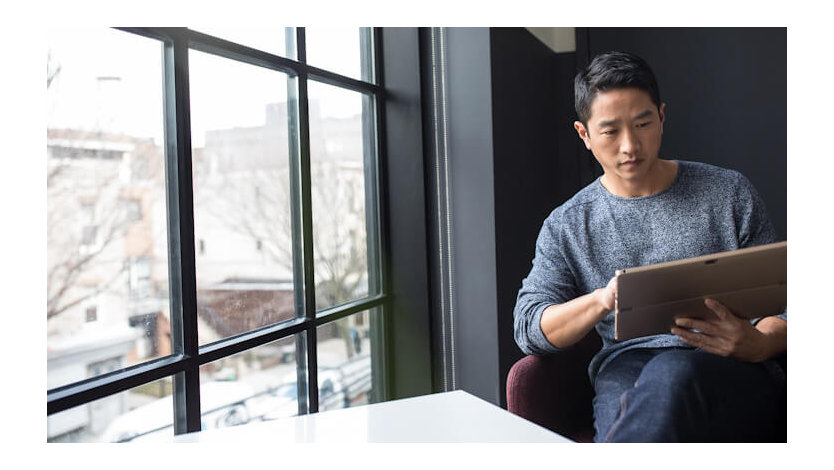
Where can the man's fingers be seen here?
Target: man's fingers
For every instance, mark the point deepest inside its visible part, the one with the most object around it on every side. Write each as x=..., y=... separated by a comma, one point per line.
x=612, y=284
x=690, y=337
x=692, y=324
x=708, y=327
x=725, y=335
x=698, y=340
x=717, y=307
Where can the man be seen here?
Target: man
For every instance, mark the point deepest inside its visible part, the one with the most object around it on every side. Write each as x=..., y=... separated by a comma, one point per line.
x=704, y=381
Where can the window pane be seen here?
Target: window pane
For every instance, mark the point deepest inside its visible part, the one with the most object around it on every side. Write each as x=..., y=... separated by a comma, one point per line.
x=256, y=385
x=346, y=51
x=107, y=254
x=144, y=413
x=272, y=40
x=338, y=152
x=242, y=226
x=344, y=358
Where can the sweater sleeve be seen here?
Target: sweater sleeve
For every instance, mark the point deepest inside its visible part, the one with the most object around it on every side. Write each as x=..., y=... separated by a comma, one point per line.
x=754, y=226
x=550, y=282
x=753, y=223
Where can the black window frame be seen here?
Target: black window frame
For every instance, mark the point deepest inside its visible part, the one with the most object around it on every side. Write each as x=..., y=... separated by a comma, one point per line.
x=187, y=354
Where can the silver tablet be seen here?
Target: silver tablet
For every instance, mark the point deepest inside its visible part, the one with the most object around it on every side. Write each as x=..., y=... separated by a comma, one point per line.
x=751, y=282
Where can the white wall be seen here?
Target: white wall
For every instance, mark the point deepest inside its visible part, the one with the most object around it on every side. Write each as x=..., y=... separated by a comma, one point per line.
x=558, y=39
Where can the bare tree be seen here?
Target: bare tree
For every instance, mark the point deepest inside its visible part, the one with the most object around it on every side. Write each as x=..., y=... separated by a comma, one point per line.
x=88, y=208
x=72, y=253
x=89, y=214
x=52, y=69
x=256, y=203
x=339, y=233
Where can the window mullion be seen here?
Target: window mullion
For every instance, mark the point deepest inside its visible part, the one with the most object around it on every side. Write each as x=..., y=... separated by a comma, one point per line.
x=183, y=286
x=300, y=184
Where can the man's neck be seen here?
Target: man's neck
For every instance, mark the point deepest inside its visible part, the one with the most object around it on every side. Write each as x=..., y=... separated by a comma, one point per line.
x=659, y=177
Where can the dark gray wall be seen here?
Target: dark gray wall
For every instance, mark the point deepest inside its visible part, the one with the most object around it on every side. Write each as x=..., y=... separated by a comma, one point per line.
x=726, y=97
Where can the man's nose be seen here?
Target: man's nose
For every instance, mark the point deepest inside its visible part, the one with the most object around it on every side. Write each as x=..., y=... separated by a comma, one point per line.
x=629, y=144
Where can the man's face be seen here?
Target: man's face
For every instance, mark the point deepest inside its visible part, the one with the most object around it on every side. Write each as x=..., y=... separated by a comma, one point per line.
x=624, y=133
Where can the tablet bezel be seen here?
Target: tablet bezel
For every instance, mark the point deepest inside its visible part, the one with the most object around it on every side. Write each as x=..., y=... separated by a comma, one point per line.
x=751, y=282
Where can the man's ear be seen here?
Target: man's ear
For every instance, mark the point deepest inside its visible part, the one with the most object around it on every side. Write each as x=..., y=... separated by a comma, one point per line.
x=662, y=112
x=583, y=133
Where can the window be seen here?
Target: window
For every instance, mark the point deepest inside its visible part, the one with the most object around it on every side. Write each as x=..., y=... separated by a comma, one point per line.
x=88, y=234
x=134, y=207
x=91, y=313
x=226, y=138
x=140, y=277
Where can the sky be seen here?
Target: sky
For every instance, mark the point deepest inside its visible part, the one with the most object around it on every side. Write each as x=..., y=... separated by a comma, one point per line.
x=113, y=80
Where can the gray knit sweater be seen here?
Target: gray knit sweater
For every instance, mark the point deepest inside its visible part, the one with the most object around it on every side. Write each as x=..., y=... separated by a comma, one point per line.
x=585, y=240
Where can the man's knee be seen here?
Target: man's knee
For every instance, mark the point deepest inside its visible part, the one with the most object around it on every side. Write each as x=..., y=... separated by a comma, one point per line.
x=677, y=369
x=687, y=395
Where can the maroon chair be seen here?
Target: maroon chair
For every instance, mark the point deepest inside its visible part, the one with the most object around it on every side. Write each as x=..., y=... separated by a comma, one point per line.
x=554, y=391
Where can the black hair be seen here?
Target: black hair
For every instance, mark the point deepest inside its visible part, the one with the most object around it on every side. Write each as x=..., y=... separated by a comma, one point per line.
x=611, y=71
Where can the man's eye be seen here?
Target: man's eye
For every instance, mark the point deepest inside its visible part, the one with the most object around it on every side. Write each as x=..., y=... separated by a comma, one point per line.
x=609, y=132
x=644, y=124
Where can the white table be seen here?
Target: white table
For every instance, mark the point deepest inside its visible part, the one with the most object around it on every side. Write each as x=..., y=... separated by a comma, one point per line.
x=438, y=418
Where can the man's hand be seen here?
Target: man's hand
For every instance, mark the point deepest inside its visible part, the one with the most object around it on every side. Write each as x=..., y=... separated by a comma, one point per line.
x=728, y=335
x=607, y=295
x=566, y=323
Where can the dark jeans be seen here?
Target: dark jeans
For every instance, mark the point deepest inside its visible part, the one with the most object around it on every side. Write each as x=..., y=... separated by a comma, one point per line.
x=682, y=395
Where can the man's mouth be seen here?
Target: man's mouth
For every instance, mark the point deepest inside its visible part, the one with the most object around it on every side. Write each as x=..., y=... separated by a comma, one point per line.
x=631, y=163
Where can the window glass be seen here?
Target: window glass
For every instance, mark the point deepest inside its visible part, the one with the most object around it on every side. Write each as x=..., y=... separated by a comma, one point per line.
x=242, y=217
x=338, y=152
x=256, y=385
x=107, y=254
x=141, y=414
x=344, y=357
x=107, y=243
x=345, y=51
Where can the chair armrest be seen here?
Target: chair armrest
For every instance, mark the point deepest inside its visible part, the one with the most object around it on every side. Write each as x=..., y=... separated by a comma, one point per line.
x=554, y=391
